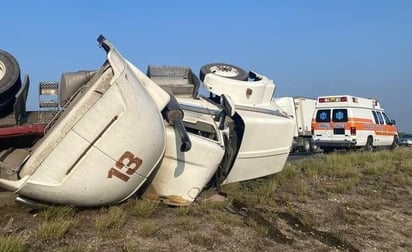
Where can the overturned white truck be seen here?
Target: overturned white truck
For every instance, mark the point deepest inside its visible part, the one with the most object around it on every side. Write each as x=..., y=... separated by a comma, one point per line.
x=120, y=131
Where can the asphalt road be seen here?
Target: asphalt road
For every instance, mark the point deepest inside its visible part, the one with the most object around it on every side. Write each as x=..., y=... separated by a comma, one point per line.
x=298, y=156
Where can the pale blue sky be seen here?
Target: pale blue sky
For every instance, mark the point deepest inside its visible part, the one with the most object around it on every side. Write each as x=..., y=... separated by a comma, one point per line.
x=309, y=48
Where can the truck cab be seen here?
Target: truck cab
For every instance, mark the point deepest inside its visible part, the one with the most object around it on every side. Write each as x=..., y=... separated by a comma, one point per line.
x=119, y=131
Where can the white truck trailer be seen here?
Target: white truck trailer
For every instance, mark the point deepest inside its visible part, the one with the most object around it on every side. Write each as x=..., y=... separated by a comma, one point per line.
x=301, y=109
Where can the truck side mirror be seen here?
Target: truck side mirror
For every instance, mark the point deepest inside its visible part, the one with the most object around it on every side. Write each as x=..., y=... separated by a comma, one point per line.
x=393, y=122
x=228, y=105
x=228, y=109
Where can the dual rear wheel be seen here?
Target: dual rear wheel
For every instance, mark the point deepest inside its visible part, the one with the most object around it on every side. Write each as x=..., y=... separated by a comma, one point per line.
x=10, y=82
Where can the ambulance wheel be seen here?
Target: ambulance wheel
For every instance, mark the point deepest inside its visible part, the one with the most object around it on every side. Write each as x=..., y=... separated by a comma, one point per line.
x=224, y=70
x=313, y=147
x=369, y=144
x=395, y=143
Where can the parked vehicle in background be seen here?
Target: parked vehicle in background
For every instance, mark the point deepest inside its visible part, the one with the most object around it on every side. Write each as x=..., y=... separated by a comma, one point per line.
x=347, y=122
x=406, y=140
x=120, y=131
x=301, y=110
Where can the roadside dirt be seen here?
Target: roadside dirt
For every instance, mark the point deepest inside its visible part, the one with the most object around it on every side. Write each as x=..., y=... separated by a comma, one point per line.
x=375, y=215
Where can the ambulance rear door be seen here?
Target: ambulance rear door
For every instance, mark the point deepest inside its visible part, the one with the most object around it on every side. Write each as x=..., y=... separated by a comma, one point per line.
x=331, y=124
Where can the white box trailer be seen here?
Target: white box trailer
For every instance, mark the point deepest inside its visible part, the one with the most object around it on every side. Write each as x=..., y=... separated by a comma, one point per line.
x=301, y=109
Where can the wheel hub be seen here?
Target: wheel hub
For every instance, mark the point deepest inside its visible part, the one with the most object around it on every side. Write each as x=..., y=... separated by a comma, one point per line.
x=225, y=71
x=2, y=70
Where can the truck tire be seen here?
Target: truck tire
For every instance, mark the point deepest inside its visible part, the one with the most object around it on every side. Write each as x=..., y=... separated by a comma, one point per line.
x=224, y=70
x=306, y=146
x=6, y=107
x=10, y=81
x=313, y=147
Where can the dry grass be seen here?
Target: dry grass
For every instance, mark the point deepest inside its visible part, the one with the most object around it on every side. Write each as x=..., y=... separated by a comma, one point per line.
x=71, y=249
x=110, y=222
x=131, y=246
x=203, y=239
x=187, y=223
x=333, y=195
x=56, y=221
x=12, y=244
x=344, y=185
x=144, y=208
x=148, y=229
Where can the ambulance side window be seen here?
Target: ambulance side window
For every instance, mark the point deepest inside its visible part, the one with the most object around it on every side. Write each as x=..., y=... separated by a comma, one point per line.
x=323, y=115
x=375, y=117
x=387, y=120
x=340, y=115
x=380, y=117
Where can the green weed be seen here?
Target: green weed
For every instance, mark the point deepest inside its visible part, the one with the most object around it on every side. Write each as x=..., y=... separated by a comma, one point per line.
x=144, y=208
x=54, y=229
x=299, y=188
x=12, y=244
x=223, y=217
x=379, y=167
x=289, y=172
x=312, y=168
x=210, y=204
x=148, y=229
x=56, y=221
x=261, y=229
x=346, y=184
x=110, y=222
x=187, y=223
x=264, y=191
x=57, y=213
x=183, y=210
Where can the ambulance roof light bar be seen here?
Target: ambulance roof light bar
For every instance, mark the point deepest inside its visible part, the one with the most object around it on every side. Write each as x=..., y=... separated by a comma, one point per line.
x=333, y=99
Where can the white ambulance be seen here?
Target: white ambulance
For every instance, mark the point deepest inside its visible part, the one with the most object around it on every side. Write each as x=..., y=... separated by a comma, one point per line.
x=349, y=122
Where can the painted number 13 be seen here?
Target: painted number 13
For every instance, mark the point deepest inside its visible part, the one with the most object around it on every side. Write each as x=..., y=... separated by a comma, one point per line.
x=125, y=166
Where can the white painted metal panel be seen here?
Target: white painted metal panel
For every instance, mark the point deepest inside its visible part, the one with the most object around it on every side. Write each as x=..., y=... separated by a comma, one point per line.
x=265, y=146
x=183, y=175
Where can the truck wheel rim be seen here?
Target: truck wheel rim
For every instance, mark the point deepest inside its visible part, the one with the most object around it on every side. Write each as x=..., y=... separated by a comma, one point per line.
x=225, y=71
x=2, y=70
